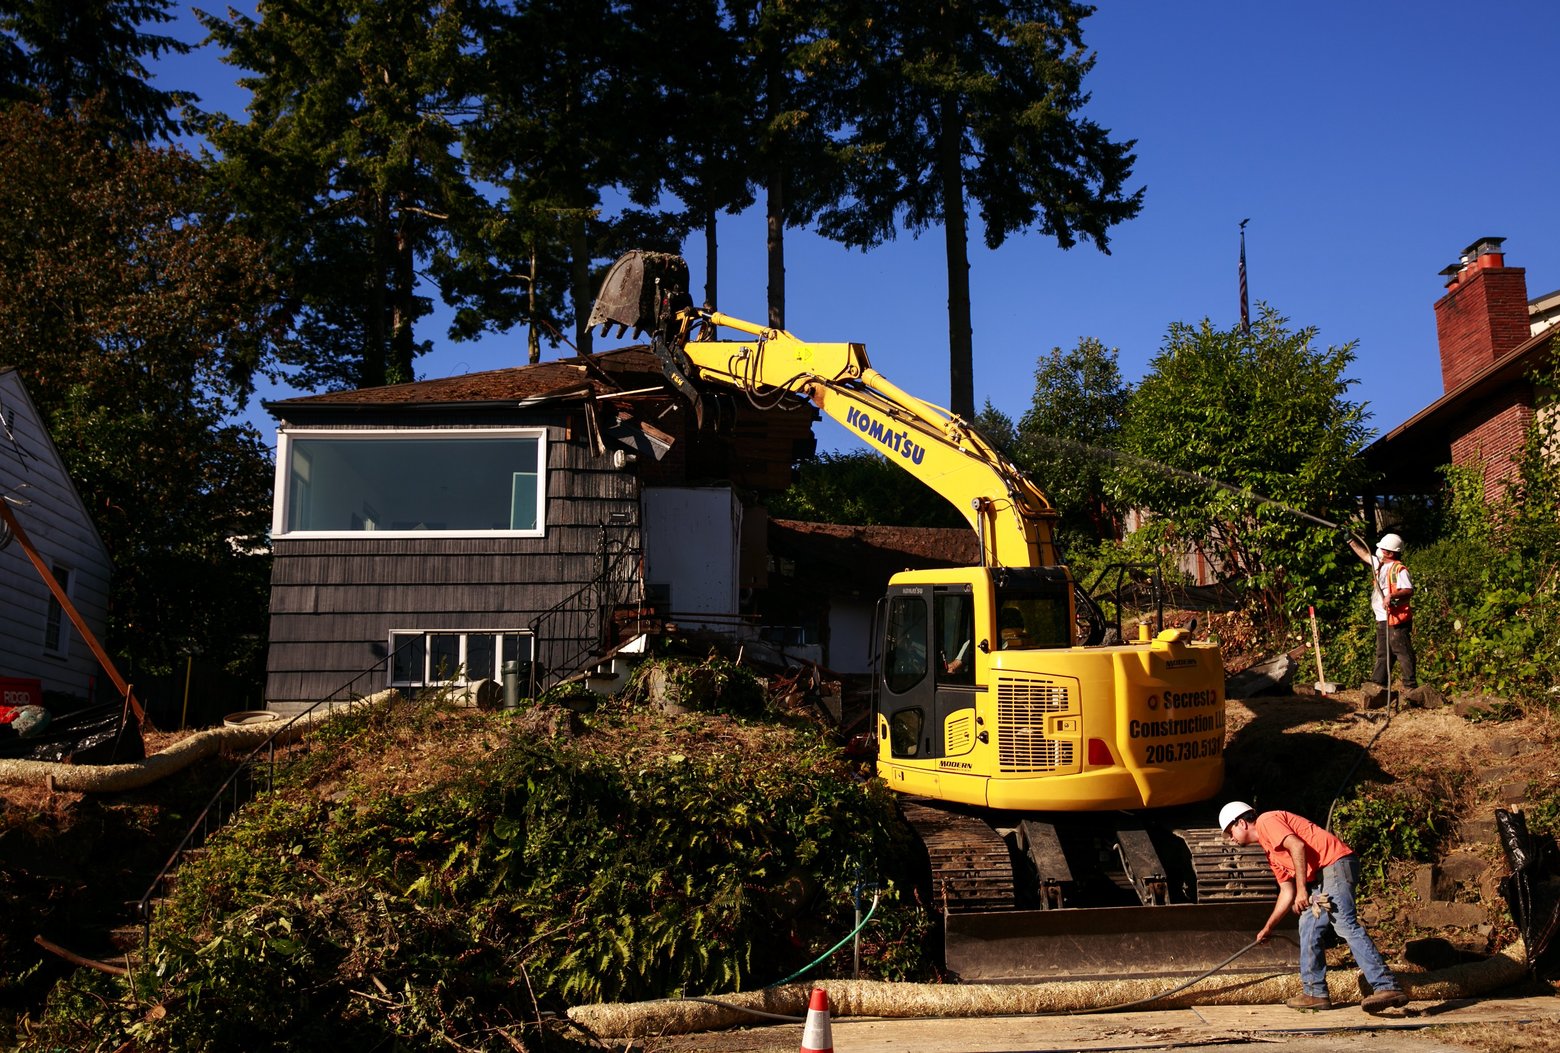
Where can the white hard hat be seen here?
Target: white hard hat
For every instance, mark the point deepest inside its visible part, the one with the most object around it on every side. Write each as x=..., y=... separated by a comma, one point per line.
x=1390, y=543
x=1231, y=812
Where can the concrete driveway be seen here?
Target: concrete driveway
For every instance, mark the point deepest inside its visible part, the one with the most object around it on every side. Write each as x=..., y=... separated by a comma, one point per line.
x=1205, y=1028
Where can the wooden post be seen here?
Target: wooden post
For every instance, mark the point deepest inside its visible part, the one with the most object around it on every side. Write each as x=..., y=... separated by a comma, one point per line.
x=70, y=610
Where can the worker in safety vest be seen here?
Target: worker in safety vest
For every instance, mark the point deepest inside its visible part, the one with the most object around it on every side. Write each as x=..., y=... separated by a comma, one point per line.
x=1390, y=594
x=1316, y=875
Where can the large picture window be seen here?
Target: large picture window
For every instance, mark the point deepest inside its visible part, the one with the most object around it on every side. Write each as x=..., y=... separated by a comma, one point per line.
x=451, y=483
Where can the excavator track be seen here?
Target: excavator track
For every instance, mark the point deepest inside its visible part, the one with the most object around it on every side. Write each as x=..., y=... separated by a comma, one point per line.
x=972, y=872
x=1227, y=872
x=986, y=938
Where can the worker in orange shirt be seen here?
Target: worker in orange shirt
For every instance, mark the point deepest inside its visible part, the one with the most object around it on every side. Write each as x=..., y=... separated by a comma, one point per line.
x=1316, y=875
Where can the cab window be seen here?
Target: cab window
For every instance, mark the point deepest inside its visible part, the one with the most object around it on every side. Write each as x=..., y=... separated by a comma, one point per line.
x=904, y=733
x=1033, y=618
x=904, y=650
x=955, y=636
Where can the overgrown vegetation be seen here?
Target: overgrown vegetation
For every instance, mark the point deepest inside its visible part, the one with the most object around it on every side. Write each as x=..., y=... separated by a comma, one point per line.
x=1387, y=824
x=1487, y=582
x=427, y=875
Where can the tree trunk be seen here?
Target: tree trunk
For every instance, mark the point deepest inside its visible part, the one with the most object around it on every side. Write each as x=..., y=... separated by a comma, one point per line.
x=776, y=243
x=371, y=369
x=774, y=205
x=533, y=340
x=399, y=368
x=711, y=251
x=579, y=252
x=961, y=341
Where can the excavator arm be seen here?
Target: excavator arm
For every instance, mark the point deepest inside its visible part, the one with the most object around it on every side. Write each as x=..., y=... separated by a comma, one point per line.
x=646, y=292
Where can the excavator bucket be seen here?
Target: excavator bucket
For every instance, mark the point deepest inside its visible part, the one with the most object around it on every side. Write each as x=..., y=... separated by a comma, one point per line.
x=1115, y=943
x=637, y=291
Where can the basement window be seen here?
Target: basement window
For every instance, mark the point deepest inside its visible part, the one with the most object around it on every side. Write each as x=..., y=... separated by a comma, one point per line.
x=423, y=658
x=411, y=483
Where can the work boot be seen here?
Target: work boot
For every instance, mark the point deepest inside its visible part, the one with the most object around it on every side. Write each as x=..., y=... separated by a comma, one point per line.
x=1375, y=1003
x=1305, y=1001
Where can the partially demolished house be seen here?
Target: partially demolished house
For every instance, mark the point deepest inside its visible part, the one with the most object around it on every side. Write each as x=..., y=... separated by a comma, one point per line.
x=825, y=580
x=433, y=531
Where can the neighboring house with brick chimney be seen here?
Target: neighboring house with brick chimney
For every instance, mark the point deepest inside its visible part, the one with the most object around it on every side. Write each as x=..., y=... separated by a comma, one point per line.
x=1492, y=339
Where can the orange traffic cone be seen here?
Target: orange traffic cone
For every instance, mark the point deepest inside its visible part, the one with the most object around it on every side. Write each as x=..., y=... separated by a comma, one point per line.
x=815, y=1033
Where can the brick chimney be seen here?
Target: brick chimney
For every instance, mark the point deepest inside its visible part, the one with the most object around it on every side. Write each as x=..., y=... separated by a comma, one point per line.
x=1484, y=313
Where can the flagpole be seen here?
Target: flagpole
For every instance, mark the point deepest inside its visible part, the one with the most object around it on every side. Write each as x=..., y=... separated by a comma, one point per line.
x=1245, y=312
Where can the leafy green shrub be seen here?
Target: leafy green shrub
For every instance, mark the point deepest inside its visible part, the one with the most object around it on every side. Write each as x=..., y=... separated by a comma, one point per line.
x=1486, y=609
x=396, y=900
x=1544, y=816
x=1385, y=824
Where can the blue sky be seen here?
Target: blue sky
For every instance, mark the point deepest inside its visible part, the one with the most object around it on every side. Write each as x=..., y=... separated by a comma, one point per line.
x=1367, y=144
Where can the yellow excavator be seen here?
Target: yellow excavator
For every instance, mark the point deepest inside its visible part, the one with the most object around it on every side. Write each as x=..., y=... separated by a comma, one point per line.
x=1054, y=779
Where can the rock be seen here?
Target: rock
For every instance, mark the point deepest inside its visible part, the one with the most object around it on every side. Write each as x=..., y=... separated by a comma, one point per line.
x=1373, y=696
x=1264, y=676
x=1464, y=867
x=1449, y=916
x=1471, y=707
x=1430, y=884
x=1425, y=696
x=1477, y=829
x=1494, y=773
x=1511, y=745
x=1512, y=792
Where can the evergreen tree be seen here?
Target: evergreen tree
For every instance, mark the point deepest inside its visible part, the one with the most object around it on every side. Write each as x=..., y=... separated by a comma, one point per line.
x=138, y=317
x=961, y=102
x=792, y=51
x=349, y=166
x=65, y=52
x=697, y=99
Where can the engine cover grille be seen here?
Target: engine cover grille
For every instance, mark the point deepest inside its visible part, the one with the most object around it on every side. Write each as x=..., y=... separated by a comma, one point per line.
x=1022, y=709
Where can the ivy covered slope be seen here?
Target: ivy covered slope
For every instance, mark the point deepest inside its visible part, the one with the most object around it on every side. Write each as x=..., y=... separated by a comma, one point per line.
x=428, y=875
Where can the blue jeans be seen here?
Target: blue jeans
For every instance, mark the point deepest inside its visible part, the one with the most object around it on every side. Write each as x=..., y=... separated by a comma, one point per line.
x=1338, y=882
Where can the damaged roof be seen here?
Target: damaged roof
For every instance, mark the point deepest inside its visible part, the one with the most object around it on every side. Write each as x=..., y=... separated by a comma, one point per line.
x=584, y=376
x=870, y=553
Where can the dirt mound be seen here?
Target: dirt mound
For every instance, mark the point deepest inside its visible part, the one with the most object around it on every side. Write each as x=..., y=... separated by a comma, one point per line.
x=1320, y=755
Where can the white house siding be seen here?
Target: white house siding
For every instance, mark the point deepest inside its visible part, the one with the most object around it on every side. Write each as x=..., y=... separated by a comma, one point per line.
x=45, y=502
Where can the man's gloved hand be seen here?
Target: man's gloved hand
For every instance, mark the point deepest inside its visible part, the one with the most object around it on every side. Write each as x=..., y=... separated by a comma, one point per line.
x=1321, y=903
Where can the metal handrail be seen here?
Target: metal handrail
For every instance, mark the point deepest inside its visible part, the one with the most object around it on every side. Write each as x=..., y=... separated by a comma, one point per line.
x=203, y=828
x=585, y=621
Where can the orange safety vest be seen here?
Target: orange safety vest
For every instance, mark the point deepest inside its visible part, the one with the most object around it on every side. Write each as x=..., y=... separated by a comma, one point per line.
x=1396, y=603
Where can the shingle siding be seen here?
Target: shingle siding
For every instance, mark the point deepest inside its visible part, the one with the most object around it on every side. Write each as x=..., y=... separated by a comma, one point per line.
x=335, y=602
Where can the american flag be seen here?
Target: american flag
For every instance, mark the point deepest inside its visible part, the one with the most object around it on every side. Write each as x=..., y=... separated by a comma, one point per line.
x=1245, y=312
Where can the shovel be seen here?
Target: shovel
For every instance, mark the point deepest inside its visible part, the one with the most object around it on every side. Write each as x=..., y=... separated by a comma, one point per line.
x=1323, y=685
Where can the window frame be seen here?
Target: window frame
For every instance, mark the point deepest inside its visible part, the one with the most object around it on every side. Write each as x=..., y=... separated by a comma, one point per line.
x=55, y=620
x=286, y=478
x=428, y=678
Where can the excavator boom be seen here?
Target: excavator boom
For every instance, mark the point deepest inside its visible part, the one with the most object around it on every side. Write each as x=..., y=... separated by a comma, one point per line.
x=644, y=292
